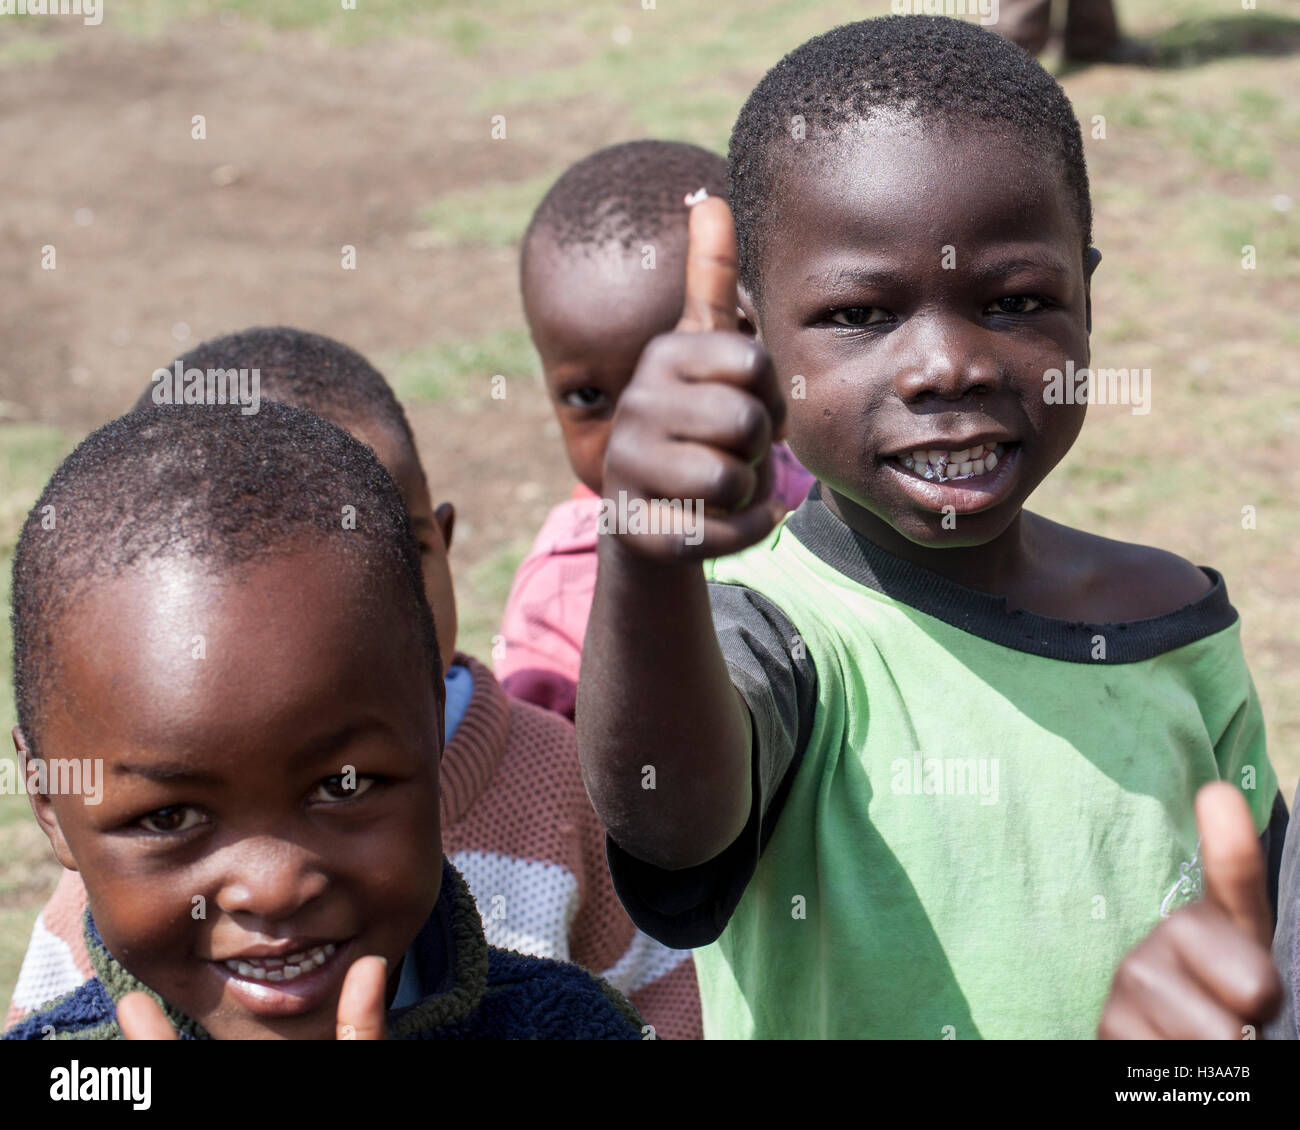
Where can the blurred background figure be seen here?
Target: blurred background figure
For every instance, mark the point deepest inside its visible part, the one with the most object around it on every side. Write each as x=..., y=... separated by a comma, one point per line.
x=1091, y=32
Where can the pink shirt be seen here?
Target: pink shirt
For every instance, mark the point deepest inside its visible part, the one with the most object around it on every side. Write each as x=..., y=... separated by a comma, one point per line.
x=546, y=613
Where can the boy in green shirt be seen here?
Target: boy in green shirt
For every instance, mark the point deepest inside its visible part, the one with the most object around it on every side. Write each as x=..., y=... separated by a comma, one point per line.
x=915, y=762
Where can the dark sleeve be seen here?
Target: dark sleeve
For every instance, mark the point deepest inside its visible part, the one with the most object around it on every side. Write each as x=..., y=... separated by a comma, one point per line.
x=1286, y=941
x=1272, y=843
x=771, y=669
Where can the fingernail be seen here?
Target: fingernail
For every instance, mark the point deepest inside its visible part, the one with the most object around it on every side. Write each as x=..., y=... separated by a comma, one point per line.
x=693, y=198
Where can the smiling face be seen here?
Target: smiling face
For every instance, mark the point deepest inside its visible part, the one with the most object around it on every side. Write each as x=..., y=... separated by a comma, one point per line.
x=275, y=798
x=591, y=312
x=922, y=282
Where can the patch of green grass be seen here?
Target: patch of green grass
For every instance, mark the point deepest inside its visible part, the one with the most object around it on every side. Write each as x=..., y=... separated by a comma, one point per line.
x=481, y=596
x=1197, y=39
x=495, y=215
x=462, y=368
x=1128, y=109
x=1223, y=223
x=25, y=48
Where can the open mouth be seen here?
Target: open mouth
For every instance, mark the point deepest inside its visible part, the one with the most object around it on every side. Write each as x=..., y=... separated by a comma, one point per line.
x=946, y=466
x=287, y=986
x=281, y=968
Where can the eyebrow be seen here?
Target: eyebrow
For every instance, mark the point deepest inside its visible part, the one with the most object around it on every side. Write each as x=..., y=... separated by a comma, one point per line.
x=853, y=277
x=166, y=773
x=328, y=743
x=997, y=268
x=177, y=773
x=865, y=277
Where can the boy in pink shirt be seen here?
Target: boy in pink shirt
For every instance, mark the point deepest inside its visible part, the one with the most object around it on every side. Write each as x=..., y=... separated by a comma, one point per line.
x=603, y=272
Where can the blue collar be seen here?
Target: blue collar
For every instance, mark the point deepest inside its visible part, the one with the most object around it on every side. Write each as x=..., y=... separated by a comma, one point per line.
x=460, y=689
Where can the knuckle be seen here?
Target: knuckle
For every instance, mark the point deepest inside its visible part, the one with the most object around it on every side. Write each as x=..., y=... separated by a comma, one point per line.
x=725, y=483
x=750, y=423
x=660, y=353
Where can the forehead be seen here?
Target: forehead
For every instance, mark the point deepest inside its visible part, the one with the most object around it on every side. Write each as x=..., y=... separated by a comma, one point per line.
x=176, y=657
x=912, y=190
x=590, y=299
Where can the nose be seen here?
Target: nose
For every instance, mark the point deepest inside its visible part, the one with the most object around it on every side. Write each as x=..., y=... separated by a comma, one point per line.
x=947, y=357
x=269, y=880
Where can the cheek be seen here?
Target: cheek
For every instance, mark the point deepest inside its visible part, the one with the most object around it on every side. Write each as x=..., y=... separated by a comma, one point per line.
x=149, y=923
x=586, y=443
x=441, y=595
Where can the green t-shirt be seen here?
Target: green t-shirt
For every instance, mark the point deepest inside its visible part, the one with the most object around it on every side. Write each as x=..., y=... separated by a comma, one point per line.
x=963, y=817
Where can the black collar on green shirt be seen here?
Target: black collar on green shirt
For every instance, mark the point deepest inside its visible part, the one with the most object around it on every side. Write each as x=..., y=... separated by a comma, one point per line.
x=1132, y=641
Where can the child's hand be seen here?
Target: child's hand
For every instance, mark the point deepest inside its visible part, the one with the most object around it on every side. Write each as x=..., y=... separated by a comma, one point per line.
x=360, y=1013
x=699, y=417
x=1206, y=972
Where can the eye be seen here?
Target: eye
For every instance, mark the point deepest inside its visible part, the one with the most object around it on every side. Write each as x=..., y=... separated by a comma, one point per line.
x=169, y=821
x=587, y=397
x=858, y=316
x=340, y=787
x=1017, y=304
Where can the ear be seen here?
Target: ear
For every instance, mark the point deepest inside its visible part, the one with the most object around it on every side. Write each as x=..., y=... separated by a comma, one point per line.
x=1093, y=258
x=445, y=516
x=746, y=314
x=42, y=807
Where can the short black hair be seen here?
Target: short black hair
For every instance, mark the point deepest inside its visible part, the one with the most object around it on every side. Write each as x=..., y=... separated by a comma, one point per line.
x=211, y=485
x=629, y=194
x=304, y=369
x=931, y=68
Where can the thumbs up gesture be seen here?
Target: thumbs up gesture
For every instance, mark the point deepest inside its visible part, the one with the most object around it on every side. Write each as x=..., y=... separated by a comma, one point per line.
x=697, y=421
x=1206, y=972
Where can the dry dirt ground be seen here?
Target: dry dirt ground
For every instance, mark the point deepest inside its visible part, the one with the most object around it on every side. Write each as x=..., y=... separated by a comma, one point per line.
x=307, y=150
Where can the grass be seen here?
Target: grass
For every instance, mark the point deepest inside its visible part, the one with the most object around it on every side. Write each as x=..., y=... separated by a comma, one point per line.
x=462, y=369
x=495, y=215
x=481, y=594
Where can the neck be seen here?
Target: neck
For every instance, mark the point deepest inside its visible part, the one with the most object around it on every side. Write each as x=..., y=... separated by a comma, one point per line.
x=999, y=567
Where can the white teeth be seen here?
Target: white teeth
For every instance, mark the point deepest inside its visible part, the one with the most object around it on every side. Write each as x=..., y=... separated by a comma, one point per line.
x=282, y=969
x=944, y=466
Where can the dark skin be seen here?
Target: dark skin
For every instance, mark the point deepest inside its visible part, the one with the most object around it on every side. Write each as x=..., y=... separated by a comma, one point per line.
x=1206, y=972
x=224, y=778
x=591, y=313
x=432, y=528
x=898, y=353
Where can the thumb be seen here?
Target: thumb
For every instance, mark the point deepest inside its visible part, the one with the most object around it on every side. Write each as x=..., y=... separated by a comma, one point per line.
x=361, y=1002
x=140, y=1018
x=1233, y=862
x=711, y=272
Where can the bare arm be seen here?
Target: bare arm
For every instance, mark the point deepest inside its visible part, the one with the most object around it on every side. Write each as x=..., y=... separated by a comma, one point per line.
x=663, y=736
